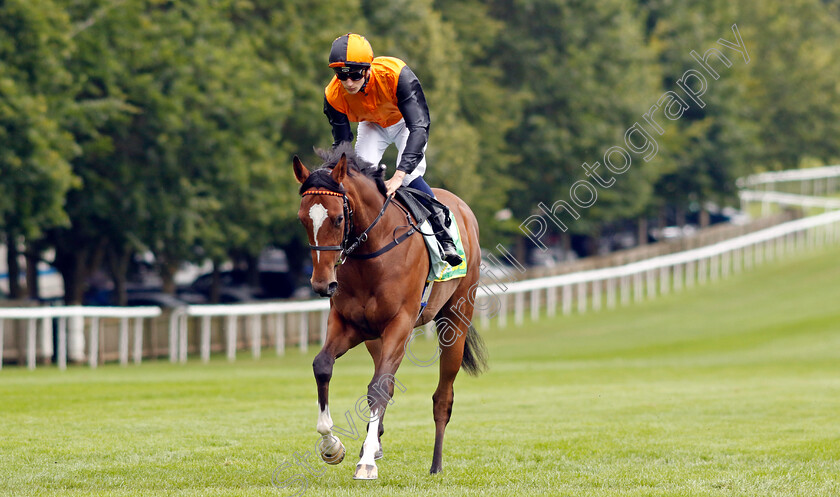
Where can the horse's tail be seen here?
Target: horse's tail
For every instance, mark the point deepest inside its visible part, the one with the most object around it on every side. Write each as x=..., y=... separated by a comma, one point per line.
x=474, y=361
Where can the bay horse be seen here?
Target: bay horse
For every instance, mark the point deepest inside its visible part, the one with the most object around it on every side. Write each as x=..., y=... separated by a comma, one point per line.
x=375, y=293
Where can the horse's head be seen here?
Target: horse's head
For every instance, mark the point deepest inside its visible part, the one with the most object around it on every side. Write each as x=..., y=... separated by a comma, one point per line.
x=323, y=213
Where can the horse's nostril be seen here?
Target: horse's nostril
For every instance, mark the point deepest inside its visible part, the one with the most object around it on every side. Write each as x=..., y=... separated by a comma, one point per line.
x=332, y=288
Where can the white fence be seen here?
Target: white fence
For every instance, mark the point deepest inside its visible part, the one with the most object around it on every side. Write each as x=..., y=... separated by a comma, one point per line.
x=255, y=315
x=779, y=198
x=77, y=316
x=581, y=291
x=660, y=275
x=803, y=176
x=811, y=187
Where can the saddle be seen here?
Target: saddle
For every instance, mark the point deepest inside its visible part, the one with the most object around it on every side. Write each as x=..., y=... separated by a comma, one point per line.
x=416, y=202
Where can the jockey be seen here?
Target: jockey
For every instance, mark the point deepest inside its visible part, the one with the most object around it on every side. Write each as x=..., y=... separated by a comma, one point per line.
x=384, y=96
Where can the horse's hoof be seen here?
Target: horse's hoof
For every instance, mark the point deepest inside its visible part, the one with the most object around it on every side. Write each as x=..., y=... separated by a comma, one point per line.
x=435, y=470
x=366, y=472
x=331, y=449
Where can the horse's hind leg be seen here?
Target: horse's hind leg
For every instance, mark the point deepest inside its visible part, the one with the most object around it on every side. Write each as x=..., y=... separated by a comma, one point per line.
x=340, y=338
x=452, y=333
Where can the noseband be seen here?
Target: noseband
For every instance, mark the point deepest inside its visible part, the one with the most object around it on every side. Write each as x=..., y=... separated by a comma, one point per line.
x=346, y=246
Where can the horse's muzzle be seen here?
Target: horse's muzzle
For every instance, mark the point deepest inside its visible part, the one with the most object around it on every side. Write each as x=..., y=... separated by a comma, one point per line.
x=325, y=289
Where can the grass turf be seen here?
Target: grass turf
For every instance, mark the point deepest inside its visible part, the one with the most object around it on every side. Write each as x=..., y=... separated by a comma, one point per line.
x=731, y=388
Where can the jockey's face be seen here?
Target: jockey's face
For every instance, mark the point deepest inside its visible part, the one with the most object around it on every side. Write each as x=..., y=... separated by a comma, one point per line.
x=353, y=87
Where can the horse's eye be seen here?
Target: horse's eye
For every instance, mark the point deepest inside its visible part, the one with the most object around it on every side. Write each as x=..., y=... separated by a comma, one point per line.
x=339, y=219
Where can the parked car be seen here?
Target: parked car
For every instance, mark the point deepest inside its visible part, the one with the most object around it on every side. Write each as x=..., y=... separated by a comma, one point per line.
x=136, y=296
x=491, y=271
x=673, y=232
x=275, y=281
x=153, y=298
x=551, y=257
x=234, y=286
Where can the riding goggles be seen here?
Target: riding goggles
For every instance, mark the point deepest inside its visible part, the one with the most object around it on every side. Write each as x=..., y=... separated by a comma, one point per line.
x=352, y=76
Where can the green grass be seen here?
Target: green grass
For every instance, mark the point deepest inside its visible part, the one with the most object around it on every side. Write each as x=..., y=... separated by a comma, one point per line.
x=732, y=388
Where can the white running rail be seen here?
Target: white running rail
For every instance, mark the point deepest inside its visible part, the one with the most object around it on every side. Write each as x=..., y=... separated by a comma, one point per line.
x=675, y=271
x=789, y=199
x=582, y=291
x=812, y=173
x=254, y=315
x=77, y=316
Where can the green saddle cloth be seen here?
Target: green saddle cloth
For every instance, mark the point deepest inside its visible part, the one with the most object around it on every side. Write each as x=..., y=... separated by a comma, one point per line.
x=439, y=270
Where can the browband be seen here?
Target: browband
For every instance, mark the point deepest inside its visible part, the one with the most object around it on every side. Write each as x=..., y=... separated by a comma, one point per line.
x=321, y=192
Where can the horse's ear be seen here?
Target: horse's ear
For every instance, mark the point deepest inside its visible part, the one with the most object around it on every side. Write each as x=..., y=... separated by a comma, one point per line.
x=301, y=173
x=340, y=169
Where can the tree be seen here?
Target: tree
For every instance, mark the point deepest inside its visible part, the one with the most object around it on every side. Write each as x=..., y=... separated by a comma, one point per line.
x=587, y=76
x=182, y=166
x=34, y=147
x=489, y=108
x=292, y=40
x=793, y=92
x=713, y=144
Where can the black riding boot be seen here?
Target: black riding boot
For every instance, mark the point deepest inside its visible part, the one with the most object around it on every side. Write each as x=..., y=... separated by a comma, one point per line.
x=438, y=219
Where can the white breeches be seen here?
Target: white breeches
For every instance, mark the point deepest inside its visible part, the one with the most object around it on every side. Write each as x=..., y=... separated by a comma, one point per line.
x=372, y=140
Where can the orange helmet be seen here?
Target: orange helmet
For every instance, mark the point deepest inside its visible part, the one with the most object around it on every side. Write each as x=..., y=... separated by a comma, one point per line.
x=351, y=50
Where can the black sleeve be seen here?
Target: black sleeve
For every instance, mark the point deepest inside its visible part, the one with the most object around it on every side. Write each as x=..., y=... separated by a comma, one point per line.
x=340, y=124
x=412, y=104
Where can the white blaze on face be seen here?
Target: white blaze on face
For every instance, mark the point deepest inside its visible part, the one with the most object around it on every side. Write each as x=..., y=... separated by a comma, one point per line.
x=318, y=214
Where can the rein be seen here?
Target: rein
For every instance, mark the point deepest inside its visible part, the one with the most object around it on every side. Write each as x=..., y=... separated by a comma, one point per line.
x=347, y=248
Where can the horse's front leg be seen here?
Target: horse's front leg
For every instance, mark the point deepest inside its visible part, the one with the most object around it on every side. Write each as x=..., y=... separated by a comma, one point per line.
x=341, y=337
x=380, y=391
x=375, y=349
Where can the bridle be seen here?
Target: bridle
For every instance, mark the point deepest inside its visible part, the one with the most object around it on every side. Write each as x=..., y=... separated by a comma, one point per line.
x=348, y=219
x=347, y=248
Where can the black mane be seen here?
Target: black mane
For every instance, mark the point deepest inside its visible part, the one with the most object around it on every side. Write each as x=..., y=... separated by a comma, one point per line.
x=321, y=178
